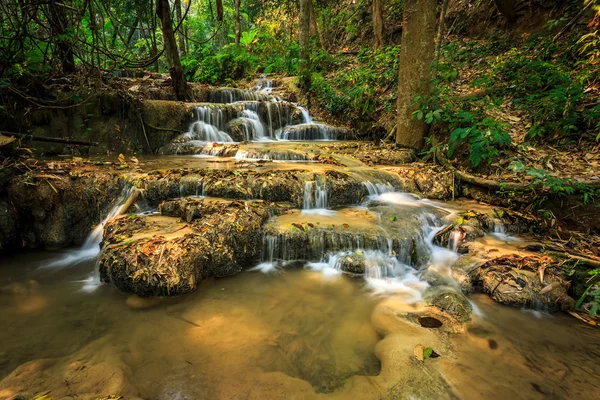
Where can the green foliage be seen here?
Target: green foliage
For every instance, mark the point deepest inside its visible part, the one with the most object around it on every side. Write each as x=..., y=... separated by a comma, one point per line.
x=592, y=293
x=233, y=62
x=355, y=89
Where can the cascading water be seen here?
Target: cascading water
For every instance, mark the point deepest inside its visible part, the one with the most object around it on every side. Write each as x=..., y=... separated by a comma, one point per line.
x=208, y=127
x=315, y=198
x=90, y=250
x=306, y=118
x=264, y=86
x=499, y=230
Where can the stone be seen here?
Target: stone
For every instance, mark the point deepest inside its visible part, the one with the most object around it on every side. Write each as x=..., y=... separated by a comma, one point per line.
x=515, y=280
x=353, y=263
x=171, y=254
x=451, y=301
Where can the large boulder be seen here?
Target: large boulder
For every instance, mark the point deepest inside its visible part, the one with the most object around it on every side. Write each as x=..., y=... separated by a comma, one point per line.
x=194, y=239
x=526, y=281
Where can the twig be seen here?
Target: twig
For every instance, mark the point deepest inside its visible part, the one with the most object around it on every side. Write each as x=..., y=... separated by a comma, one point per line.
x=144, y=130
x=573, y=21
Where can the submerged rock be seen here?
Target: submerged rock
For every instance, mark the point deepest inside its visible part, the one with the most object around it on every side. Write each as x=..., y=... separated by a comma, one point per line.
x=170, y=255
x=525, y=281
x=353, y=263
x=451, y=301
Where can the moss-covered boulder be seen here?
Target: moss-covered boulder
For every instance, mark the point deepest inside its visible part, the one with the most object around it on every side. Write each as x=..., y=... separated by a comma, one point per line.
x=533, y=281
x=193, y=240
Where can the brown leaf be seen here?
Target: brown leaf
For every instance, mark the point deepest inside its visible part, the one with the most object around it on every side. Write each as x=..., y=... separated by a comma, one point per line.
x=418, y=352
x=121, y=158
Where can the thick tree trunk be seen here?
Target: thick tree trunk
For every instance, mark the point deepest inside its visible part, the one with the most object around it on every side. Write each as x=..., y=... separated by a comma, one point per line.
x=377, y=24
x=59, y=25
x=238, y=25
x=180, y=30
x=304, y=31
x=507, y=8
x=416, y=56
x=314, y=28
x=182, y=90
x=440, y=36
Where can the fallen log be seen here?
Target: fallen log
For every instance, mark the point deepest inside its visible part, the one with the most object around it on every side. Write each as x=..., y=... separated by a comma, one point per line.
x=503, y=186
x=49, y=139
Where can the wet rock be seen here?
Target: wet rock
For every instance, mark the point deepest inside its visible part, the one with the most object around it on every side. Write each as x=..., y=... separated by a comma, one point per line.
x=431, y=182
x=162, y=256
x=451, y=301
x=465, y=270
x=54, y=211
x=8, y=227
x=525, y=281
x=353, y=263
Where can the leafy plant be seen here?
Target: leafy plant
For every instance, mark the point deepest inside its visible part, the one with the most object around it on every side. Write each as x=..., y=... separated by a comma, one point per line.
x=593, y=292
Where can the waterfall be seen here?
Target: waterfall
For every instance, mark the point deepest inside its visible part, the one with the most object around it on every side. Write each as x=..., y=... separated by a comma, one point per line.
x=375, y=189
x=310, y=131
x=306, y=119
x=90, y=250
x=209, y=126
x=314, y=200
x=264, y=86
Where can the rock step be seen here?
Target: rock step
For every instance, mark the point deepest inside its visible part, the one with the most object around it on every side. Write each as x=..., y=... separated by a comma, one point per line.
x=276, y=186
x=169, y=255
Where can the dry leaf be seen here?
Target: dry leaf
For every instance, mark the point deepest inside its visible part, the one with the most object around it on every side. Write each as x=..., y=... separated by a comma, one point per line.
x=418, y=351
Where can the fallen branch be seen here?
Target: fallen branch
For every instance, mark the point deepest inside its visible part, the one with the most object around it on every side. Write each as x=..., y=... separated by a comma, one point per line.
x=49, y=139
x=502, y=186
x=573, y=21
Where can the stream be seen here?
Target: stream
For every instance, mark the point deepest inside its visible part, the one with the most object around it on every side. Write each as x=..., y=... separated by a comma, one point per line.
x=327, y=309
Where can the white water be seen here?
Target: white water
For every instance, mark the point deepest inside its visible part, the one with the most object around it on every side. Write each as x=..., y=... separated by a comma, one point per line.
x=91, y=247
x=499, y=230
x=264, y=86
x=306, y=118
x=384, y=273
x=315, y=198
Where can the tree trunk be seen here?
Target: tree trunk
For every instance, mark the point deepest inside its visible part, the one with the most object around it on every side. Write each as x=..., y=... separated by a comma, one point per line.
x=304, y=31
x=377, y=24
x=416, y=56
x=238, y=25
x=439, y=37
x=507, y=8
x=314, y=28
x=182, y=90
x=180, y=30
x=59, y=25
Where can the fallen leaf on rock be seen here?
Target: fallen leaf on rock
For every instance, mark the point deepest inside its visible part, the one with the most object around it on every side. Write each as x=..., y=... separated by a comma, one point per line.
x=418, y=352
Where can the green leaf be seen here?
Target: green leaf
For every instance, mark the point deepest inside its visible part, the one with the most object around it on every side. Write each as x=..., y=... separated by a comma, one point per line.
x=427, y=352
x=393, y=218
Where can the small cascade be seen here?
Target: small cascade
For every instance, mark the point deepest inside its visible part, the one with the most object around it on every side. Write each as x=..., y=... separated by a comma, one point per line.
x=250, y=124
x=454, y=241
x=314, y=200
x=270, y=155
x=264, y=86
x=306, y=118
x=311, y=131
x=233, y=95
x=90, y=250
x=498, y=229
x=376, y=189
x=209, y=126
